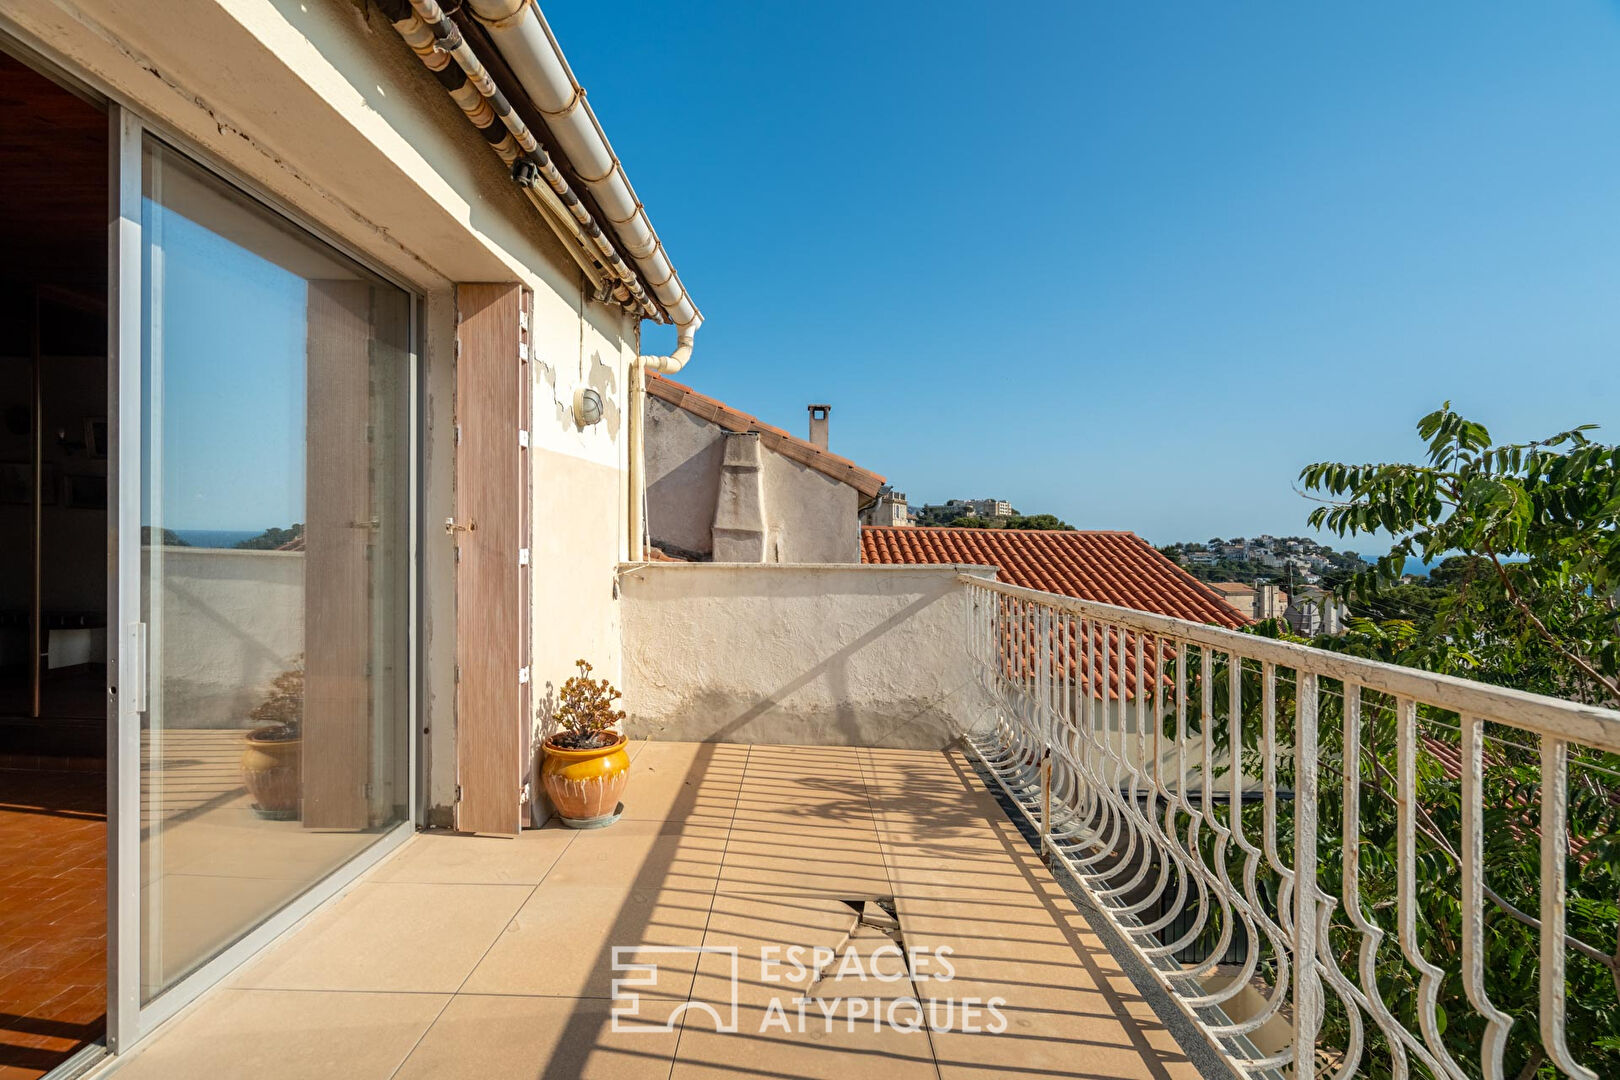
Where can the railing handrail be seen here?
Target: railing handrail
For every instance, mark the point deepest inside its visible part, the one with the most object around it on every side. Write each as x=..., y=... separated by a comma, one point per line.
x=1589, y=725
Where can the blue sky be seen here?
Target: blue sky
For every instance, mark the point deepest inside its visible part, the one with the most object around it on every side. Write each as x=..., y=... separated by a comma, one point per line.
x=1132, y=264
x=225, y=465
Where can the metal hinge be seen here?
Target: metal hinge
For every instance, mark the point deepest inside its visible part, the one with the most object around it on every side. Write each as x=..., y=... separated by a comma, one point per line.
x=458, y=434
x=523, y=556
x=523, y=676
x=523, y=352
x=523, y=438
x=458, y=673
x=458, y=793
x=523, y=319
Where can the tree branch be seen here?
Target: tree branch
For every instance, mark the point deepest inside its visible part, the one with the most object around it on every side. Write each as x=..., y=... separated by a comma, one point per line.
x=1612, y=686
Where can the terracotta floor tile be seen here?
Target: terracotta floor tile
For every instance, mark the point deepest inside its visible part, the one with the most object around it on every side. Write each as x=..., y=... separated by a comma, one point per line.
x=53, y=917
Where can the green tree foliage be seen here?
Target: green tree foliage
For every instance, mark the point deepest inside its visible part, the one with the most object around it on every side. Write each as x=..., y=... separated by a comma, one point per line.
x=1529, y=603
x=271, y=539
x=1048, y=522
x=1537, y=523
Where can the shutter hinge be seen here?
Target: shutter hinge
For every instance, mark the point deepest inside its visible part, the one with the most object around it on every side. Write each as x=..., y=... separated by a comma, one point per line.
x=523, y=676
x=523, y=352
x=458, y=434
x=523, y=319
x=458, y=793
x=523, y=438
x=458, y=346
x=458, y=673
x=523, y=556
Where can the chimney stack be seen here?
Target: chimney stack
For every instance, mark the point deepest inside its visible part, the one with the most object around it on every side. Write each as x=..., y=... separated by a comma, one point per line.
x=818, y=425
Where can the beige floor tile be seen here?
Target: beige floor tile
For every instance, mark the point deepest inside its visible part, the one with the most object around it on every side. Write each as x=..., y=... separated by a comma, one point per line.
x=458, y=859
x=539, y=1038
x=826, y=1049
x=776, y=939
x=813, y=859
x=1029, y=956
x=200, y=915
x=392, y=936
x=1045, y=1043
x=642, y=854
x=696, y=783
x=976, y=868
x=288, y=1035
x=562, y=942
x=233, y=841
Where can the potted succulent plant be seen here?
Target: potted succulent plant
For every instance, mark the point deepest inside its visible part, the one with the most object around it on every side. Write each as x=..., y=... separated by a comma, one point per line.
x=271, y=766
x=586, y=766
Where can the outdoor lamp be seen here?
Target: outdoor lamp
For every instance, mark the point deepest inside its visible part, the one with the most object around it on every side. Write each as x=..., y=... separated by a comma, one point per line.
x=587, y=406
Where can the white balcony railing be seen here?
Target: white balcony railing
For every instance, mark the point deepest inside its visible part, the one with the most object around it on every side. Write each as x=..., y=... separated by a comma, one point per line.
x=1378, y=888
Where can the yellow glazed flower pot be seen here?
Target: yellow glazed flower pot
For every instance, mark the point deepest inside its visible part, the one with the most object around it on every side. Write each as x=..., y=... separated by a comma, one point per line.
x=585, y=785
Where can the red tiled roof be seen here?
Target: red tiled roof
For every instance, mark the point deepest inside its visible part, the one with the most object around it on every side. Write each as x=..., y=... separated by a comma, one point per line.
x=1117, y=568
x=804, y=452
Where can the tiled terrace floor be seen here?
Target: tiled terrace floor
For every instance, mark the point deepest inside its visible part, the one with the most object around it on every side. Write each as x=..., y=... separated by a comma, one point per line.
x=476, y=957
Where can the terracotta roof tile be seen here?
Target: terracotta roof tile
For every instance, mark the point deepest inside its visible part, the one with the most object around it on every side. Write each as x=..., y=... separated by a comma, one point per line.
x=1106, y=567
x=804, y=452
x=1117, y=568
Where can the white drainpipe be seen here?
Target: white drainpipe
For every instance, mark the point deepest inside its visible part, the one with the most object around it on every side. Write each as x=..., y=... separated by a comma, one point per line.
x=524, y=40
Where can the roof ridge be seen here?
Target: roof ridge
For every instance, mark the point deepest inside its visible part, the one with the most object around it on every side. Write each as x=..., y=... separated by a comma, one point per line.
x=803, y=451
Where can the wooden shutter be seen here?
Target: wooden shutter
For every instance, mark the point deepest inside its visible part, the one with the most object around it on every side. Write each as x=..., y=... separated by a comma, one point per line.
x=337, y=537
x=490, y=529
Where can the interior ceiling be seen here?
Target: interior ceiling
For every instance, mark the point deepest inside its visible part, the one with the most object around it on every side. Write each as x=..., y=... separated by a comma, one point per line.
x=53, y=171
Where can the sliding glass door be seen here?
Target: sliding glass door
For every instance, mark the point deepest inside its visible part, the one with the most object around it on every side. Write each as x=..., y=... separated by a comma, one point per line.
x=264, y=552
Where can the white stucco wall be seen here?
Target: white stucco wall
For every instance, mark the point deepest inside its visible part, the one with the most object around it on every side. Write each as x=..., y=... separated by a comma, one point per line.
x=228, y=623
x=825, y=655
x=324, y=109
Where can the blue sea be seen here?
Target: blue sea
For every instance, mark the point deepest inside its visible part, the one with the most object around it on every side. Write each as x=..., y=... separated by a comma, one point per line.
x=216, y=538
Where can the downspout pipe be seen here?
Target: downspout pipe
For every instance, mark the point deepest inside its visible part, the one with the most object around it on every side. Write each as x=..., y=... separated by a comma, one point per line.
x=667, y=365
x=520, y=34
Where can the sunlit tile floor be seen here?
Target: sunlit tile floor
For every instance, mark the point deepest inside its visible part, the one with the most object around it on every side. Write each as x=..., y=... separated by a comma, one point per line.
x=496, y=959
x=53, y=917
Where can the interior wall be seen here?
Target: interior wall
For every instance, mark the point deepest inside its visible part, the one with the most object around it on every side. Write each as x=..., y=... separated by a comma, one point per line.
x=52, y=286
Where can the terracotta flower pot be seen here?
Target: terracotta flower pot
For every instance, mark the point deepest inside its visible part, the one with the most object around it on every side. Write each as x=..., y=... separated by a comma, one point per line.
x=585, y=785
x=271, y=769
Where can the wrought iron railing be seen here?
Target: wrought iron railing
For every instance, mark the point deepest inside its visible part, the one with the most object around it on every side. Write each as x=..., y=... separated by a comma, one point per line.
x=1337, y=867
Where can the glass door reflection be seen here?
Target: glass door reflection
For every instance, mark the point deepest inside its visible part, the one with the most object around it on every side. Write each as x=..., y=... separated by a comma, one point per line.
x=274, y=563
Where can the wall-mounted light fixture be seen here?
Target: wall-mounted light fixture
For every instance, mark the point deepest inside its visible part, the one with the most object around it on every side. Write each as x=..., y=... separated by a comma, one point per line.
x=587, y=406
